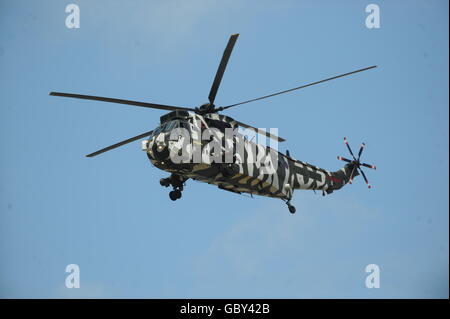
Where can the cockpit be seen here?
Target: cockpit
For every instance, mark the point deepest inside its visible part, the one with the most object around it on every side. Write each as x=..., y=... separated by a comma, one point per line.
x=169, y=126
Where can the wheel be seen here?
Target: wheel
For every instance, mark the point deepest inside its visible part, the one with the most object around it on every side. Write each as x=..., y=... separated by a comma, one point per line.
x=173, y=195
x=177, y=193
x=291, y=209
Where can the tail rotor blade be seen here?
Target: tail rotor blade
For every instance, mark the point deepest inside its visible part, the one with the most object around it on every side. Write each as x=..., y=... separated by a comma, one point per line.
x=365, y=178
x=369, y=166
x=344, y=159
x=351, y=175
x=349, y=148
x=361, y=150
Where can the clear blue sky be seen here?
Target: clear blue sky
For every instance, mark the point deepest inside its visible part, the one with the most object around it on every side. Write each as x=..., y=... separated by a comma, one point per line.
x=109, y=214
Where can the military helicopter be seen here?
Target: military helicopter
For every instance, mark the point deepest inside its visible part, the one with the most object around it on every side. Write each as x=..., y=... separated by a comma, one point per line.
x=255, y=169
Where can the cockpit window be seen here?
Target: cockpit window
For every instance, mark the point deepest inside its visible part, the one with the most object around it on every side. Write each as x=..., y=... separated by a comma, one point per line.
x=170, y=126
x=184, y=125
x=166, y=127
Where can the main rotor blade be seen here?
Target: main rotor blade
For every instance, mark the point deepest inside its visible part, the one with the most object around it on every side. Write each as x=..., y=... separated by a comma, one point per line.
x=119, y=101
x=119, y=144
x=222, y=67
x=261, y=131
x=299, y=87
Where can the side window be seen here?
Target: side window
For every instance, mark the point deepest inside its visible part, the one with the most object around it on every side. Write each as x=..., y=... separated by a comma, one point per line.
x=185, y=125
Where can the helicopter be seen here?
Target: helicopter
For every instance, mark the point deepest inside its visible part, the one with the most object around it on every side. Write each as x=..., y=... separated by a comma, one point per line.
x=200, y=144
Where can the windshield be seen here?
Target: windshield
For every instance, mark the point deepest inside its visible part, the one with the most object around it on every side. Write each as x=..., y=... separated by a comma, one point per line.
x=166, y=127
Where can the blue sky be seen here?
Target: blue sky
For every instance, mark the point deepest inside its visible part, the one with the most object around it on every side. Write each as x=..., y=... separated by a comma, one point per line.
x=109, y=214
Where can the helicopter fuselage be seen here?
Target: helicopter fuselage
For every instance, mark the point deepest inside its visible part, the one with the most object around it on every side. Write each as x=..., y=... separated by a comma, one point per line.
x=254, y=168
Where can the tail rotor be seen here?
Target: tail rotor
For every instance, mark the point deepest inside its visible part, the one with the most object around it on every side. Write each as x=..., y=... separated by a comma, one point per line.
x=356, y=163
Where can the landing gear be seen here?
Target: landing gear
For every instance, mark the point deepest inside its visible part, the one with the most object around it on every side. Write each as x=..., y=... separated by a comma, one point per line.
x=165, y=182
x=177, y=182
x=291, y=208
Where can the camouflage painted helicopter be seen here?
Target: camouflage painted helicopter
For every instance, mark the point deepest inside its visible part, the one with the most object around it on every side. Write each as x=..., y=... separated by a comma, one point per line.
x=246, y=170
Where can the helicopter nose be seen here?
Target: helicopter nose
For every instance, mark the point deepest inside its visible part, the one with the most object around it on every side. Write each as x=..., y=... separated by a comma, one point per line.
x=160, y=151
x=160, y=147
